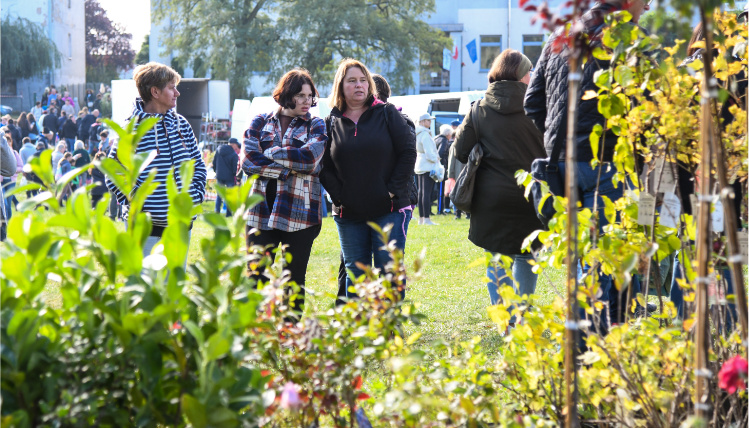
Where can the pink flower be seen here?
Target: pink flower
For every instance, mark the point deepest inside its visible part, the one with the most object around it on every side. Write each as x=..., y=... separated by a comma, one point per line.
x=733, y=374
x=290, y=396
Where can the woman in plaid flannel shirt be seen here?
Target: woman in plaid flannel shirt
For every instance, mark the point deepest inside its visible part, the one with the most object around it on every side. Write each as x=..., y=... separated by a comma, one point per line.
x=284, y=149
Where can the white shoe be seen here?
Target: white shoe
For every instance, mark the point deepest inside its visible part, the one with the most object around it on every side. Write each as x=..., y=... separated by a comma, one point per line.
x=421, y=220
x=429, y=222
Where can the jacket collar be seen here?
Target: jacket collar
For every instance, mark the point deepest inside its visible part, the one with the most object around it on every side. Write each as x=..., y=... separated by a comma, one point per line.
x=275, y=115
x=169, y=117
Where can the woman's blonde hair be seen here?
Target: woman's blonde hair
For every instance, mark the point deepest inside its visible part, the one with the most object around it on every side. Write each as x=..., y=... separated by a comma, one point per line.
x=336, y=97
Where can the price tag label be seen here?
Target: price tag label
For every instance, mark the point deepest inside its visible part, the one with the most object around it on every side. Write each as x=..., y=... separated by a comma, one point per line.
x=646, y=210
x=743, y=237
x=717, y=216
x=716, y=291
x=695, y=205
x=664, y=176
x=670, y=210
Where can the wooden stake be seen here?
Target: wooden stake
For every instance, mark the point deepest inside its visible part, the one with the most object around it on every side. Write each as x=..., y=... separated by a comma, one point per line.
x=704, y=241
x=572, y=325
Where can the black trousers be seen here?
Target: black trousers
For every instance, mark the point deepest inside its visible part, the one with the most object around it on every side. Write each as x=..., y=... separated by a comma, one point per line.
x=299, y=245
x=426, y=186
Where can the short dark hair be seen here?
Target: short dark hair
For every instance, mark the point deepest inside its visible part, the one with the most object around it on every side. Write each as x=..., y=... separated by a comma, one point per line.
x=383, y=89
x=26, y=140
x=153, y=75
x=291, y=84
x=505, y=66
x=104, y=133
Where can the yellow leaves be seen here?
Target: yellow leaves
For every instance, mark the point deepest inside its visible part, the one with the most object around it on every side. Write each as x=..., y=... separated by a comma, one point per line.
x=589, y=95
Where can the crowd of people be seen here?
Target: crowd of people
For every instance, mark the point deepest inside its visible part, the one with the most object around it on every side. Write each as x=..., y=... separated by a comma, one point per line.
x=74, y=139
x=375, y=164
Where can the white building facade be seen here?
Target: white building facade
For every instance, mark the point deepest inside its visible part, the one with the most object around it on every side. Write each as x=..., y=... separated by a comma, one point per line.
x=64, y=23
x=481, y=30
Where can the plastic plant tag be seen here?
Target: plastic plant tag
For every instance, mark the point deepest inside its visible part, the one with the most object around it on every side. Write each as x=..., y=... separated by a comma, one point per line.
x=717, y=216
x=646, y=209
x=670, y=210
x=716, y=291
x=743, y=238
x=664, y=176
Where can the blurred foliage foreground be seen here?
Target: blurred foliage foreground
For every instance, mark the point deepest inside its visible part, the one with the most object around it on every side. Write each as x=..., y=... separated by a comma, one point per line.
x=155, y=342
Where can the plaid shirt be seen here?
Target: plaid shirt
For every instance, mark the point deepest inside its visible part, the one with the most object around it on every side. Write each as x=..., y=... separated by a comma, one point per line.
x=294, y=160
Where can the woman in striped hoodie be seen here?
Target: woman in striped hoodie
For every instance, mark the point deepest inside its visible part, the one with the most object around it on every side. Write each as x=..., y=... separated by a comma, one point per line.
x=171, y=138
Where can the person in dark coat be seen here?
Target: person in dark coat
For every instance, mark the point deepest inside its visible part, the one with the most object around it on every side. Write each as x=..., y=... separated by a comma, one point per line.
x=84, y=124
x=501, y=217
x=546, y=103
x=69, y=132
x=50, y=120
x=225, y=164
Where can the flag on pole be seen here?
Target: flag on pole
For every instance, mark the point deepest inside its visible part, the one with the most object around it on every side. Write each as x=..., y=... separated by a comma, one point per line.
x=446, y=57
x=471, y=47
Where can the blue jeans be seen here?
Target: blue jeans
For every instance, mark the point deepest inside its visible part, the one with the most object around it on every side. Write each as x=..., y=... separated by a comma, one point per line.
x=220, y=202
x=677, y=294
x=71, y=144
x=522, y=272
x=360, y=243
x=587, y=179
x=7, y=186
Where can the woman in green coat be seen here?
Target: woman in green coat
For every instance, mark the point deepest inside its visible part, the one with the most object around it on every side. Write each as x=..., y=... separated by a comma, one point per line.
x=501, y=217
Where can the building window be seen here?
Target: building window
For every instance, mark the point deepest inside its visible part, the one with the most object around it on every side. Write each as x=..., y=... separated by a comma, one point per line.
x=532, y=45
x=491, y=46
x=69, y=3
x=70, y=46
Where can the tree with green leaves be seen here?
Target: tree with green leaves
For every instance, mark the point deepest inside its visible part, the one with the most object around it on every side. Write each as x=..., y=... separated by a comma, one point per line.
x=25, y=49
x=237, y=38
x=142, y=56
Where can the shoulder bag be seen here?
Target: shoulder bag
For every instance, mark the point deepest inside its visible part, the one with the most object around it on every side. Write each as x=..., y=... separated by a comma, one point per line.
x=462, y=194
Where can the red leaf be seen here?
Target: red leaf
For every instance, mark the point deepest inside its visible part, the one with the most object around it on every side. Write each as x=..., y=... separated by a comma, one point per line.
x=522, y=3
x=531, y=8
x=362, y=396
x=357, y=382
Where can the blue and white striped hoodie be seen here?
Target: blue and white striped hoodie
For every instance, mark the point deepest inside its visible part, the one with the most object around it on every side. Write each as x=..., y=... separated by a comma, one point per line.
x=174, y=142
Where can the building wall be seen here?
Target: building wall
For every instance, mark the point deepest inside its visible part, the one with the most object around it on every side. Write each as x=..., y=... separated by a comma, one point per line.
x=468, y=21
x=64, y=23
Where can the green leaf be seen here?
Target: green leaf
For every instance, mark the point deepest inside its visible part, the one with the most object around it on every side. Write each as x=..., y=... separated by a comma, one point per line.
x=129, y=255
x=216, y=347
x=194, y=410
x=195, y=331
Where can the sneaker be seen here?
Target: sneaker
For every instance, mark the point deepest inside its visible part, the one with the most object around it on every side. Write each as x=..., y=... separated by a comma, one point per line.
x=428, y=222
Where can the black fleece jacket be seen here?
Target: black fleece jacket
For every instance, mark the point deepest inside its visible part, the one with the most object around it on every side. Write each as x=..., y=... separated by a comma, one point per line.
x=365, y=161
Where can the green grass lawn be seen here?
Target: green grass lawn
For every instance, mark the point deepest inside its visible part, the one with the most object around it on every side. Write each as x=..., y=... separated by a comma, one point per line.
x=450, y=290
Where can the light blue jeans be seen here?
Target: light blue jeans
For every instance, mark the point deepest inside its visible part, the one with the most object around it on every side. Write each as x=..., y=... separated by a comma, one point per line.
x=525, y=279
x=361, y=244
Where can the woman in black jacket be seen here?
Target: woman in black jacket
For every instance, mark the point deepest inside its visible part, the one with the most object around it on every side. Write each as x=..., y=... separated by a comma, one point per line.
x=367, y=167
x=501, y=217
